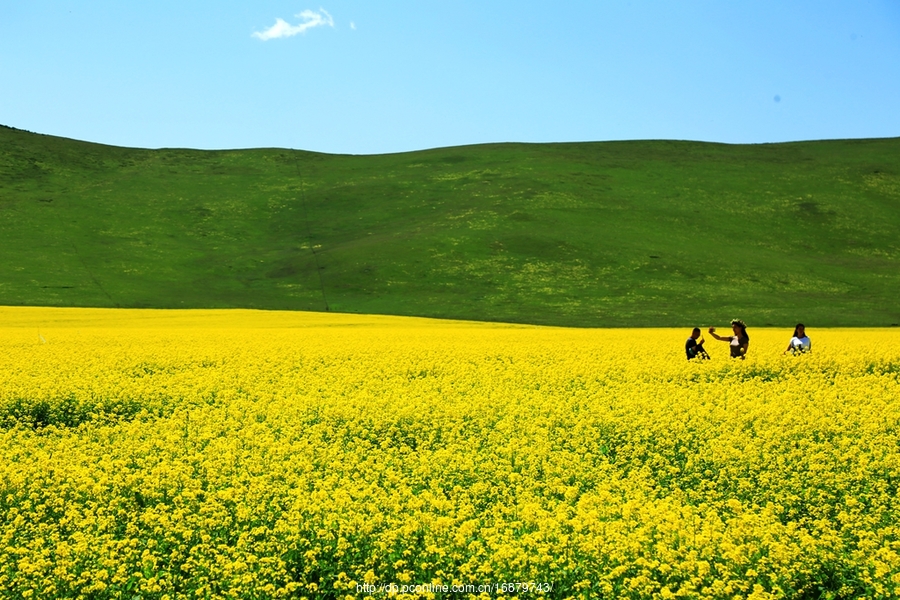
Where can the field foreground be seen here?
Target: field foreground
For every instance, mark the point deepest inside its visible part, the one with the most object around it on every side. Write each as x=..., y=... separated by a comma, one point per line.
x=242, y=454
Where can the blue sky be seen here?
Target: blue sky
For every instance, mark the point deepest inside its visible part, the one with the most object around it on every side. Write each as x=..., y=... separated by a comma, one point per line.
x=372, y=77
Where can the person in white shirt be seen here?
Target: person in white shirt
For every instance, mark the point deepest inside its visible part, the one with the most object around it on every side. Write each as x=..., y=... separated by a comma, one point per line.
x=800, y=343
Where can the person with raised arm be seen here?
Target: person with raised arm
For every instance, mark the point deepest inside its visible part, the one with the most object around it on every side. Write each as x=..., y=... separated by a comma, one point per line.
x=739, y=342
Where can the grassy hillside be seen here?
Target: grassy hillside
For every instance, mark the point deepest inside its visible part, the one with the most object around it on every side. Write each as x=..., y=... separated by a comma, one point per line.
x=590, y=234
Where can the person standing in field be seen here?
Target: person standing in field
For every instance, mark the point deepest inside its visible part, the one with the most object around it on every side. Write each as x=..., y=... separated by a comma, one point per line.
x=800, y=343
x=740, y=341
x=694, y=346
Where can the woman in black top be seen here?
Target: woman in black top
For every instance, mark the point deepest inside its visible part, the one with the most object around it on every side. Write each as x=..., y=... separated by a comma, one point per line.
x=740, y=341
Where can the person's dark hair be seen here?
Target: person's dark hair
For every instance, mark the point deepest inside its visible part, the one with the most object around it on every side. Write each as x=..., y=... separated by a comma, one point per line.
x=695, y=330
x=797, y=329
x=744, y=337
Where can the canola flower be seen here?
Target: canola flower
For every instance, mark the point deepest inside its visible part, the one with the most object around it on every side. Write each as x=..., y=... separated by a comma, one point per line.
x=241, y=454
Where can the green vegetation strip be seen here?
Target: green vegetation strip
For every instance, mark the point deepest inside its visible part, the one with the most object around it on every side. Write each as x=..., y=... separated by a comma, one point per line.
x=644, y=233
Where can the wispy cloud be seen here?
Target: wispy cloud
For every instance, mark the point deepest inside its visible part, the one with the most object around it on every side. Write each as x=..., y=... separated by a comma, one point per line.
x=282, y=28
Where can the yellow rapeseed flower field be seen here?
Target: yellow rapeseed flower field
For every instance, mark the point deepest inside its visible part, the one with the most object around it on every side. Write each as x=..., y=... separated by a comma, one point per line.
x=241, y=454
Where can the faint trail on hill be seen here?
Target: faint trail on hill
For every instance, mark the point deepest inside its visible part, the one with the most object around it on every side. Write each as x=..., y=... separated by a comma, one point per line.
x=94, y=279
x=309, y=237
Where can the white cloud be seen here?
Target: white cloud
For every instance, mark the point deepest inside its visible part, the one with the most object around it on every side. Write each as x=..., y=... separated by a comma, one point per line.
x=282, y=28
x=352, y=25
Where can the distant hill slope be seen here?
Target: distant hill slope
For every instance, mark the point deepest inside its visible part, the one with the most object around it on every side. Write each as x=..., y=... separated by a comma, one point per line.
x=588, y=234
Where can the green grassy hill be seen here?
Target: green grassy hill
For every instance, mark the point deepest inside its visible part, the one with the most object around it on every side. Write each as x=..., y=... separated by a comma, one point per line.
x=645, y=233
